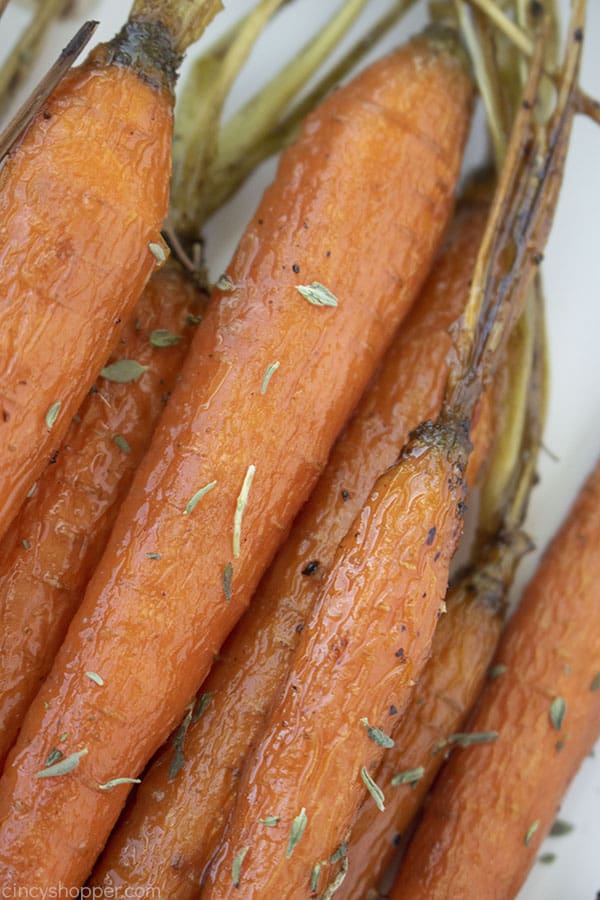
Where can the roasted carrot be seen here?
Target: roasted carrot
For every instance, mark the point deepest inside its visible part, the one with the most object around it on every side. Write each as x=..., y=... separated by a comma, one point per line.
x=228, y=467
x=82, y=199
x=194, y=791
x=371, y=630
x=494, y=804
x=52, y=547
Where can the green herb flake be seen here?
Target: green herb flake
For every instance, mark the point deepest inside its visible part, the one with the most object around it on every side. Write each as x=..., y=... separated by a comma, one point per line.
x=242, y=502
x=227, y=580
x=160, y=337
x=158, y=252
x=236, y=866
x=52, y=415
x=317, y=294
x=63, y=767
x=595, y=685
x=97, y=679
x=410, y=776
x=115, y=782
x=178, y=761
x=64, y=736
x=374, y=789
x=267, y=377
x=496, y=671
x=377, y=736
x=32, y=490
x=337, y=881
x=193, y=502
x=314, y=877
x=123, y=371
x=153, y=556
x=297, y=830
x=121, y=443
x=270, y=821
x=201, y=705
x=531, y=831
x=547, y=858
x=224, y=284
x=340, y=853
x=53, y=757
x=466, y=739
x=25, y=544
x=560, y=828
x=192, y=320
x=558, y=708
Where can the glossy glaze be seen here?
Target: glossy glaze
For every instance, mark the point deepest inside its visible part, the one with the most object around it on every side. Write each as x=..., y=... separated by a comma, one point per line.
x=373, y=171
x=52, y=547
x=471, y=841
x=365, y=643
x=172, y=826
x=81, y=197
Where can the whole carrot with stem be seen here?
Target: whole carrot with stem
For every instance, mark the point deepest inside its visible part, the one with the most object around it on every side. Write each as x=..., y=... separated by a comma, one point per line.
x=226, y=471
x=371, y=630
x=82, y=198
x=52, y=547
x=192, y=786
x=463, y=645
x=493, y=805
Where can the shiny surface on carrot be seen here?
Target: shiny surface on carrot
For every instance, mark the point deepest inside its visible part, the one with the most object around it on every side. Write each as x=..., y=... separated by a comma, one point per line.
x=375, y=170
x=51, y=549
x=181, y=818
x=495, y=803
x=360, y=653
x=81, y=197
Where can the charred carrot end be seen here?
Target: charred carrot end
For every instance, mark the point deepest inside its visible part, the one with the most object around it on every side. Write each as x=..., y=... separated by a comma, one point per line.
x=547, y=717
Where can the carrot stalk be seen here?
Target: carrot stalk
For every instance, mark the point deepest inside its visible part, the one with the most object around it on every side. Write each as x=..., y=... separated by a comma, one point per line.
x=496, y=803
x=52, y=547
x=77, y=229
x=218, y=423
x=197, y=796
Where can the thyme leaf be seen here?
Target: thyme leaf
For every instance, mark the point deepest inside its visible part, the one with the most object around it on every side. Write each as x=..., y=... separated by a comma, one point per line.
x=531, y=831
x=123, y=371
x=297, y=830
x=377, y=736
x=153, y=556
x=52, y=415
x=270, y=821
x=54, y=756
x=193, y=502
x=317, y=294
x=465, y=739
x=267, y=376
x=97, y=679
x=63, y=767
x=595, y=686
x=236, y=866
x=227, y=580
x=121, y=443
x=242, y=502
x=496, y=671
x=560, y=828
x=224, y=284
x=558, y=708
x=115, y=782
x=547, y=858
x=374, y=789
x=158, y=252
x=410, y=776
x=161, y=337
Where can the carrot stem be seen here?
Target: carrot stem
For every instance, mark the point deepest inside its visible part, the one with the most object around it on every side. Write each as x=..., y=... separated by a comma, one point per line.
x=185, y=20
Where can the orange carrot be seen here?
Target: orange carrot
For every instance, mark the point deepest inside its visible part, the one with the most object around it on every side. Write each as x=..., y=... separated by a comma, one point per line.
x=194, y=789
x=53, y=546
x=82, y=199
x=494, y=804
x=229, y=467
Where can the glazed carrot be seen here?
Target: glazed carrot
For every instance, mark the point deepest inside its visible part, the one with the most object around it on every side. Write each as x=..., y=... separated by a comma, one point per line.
x=371, y=630
x=82, y=199
x=52, y=547
x=494, y=804
x=229, y=467
x=196, y=799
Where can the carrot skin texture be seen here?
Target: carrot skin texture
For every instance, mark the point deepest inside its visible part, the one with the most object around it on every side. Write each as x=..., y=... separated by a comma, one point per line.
x=250, y=667
x=154, y=631
x=51, y=549
x=551, y=648
x=367, y=640
x=463, y=647
x=75, y=225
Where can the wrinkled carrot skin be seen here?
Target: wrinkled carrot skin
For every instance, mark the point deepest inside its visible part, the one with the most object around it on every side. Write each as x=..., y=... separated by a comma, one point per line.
x=53, y=546
x=152, y=631
x=365, y=643
x=156, y=845
x=463, y=646
x=472, y=839
x=81, y=197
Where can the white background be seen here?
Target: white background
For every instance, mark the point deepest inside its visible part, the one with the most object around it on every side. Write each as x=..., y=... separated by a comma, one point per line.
x=572, y=276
